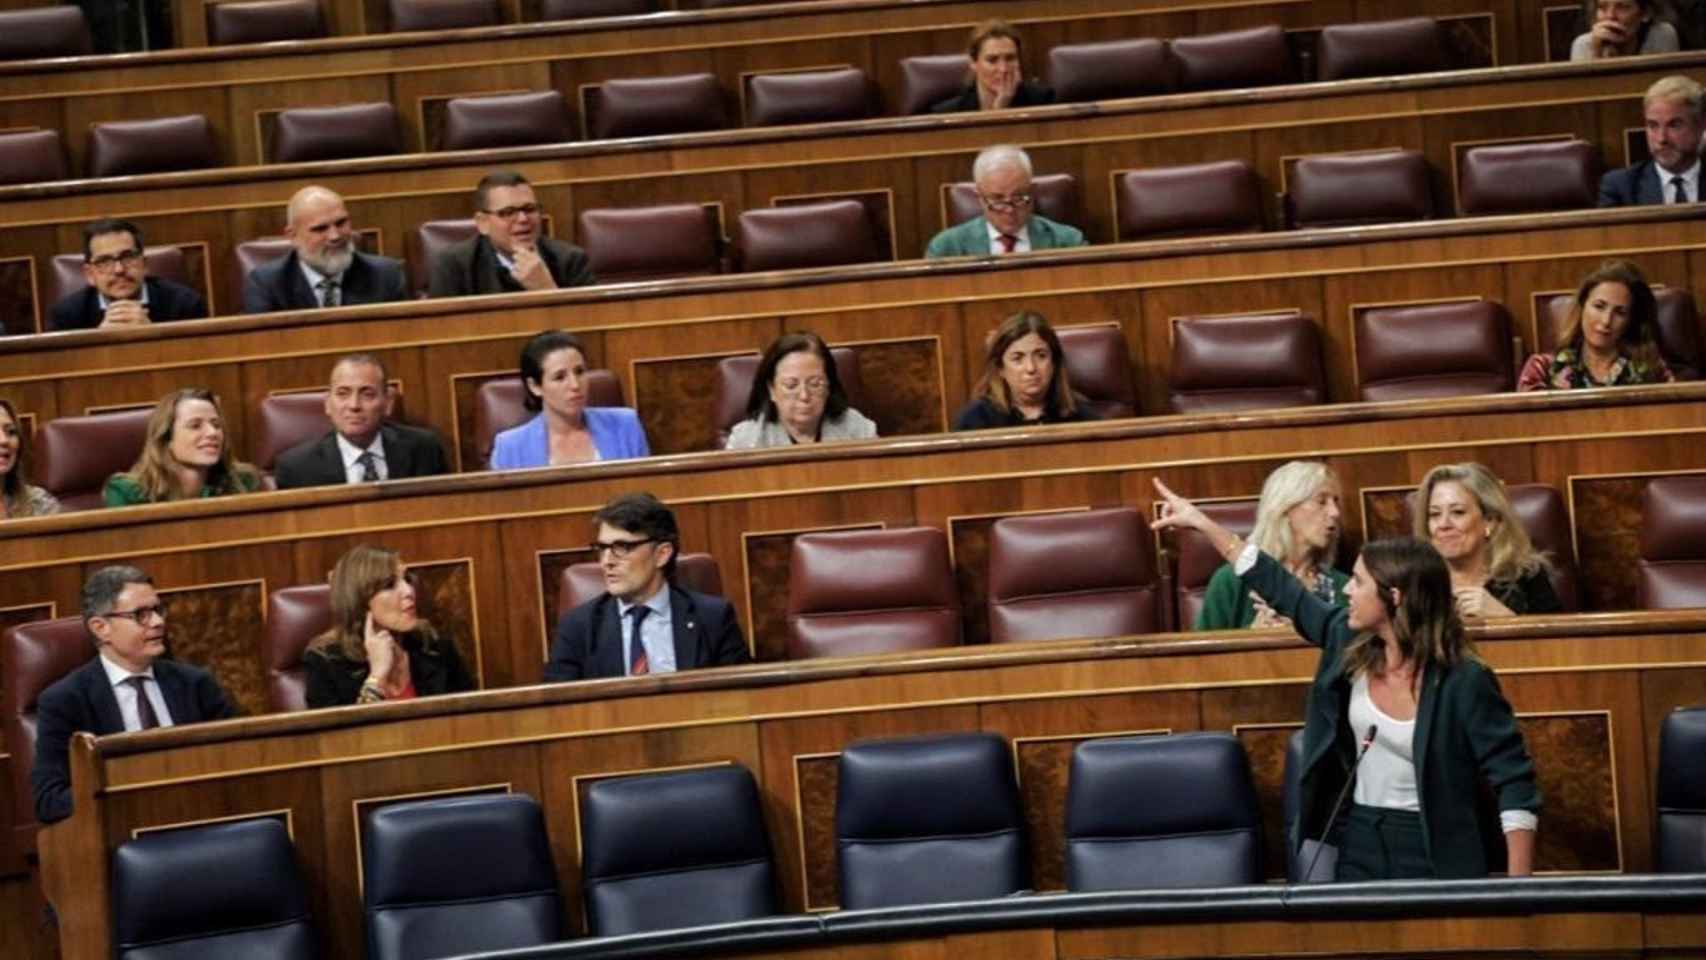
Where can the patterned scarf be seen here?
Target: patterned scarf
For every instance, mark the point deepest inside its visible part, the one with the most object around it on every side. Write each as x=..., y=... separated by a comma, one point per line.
x=1568, y=371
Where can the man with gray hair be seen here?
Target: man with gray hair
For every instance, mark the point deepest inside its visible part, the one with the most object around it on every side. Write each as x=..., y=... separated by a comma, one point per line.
x=323, y=267
x=1009, y=224
x=127, y=686
x=1673, y=111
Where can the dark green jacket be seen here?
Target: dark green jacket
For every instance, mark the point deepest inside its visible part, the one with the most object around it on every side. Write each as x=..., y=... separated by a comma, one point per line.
x=1226, y=603
x=1465, y=733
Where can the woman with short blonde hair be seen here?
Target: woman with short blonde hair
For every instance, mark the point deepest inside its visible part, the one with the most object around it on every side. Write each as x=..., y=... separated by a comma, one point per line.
x=1462, y=509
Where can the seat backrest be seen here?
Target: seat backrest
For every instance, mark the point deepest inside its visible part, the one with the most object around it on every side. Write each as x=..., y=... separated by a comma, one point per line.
x=1099, y=369
x=827, y=234
x=458, y=875
x=175, y=894
x=32, y=156
x=263, y=21
x=67, y=277
x=295, y=616
x=74, y=456
x=248, y=255
x=1198, y=559
x=651, y=243
x=652, y=106
x=809, y=96
x=1291, y=805
x=1110, y=69
x=583, y=582
x=1382, y=48
x=1196, y=199
x=929, y=819
x=1347, y=189
x=1680, y=834
x=1434, y=350
x=1061, y=576
x=1056, y=198
x=1680, y=341
x=1541, y=511
x=871, y=591
x=734, y=386
x=928, y=80
x=669, y=850
x=1672, y=569
x=122, y=148
x=431, y=239
x=507, y=120
x=51, y=31
x=33, y=656
x=1528, y=178
x=444, y=14
x=288, y=419
x=1255, y=57
x=343, y=132
x=501, y=403
x=582, y=9
x=1159, y=812
x=1254, y=362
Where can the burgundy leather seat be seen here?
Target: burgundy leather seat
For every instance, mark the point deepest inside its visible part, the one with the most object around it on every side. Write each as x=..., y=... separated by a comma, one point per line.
x=653, y=106
x=832, y=233
x=1198, y=559
x=928, y=80
x=1672, y=571
x=430, y=239
x=32, y=156
x=507, y=120
x=651, y=243
x=443, y=14
x=734, y=385
x=1056, y=198
x=1541, y=511
x=1255, y=57
x=288, y=419
x=1110, y=69
x=1383, y=48
x=1100, y=369
x=1434, y=350
x=307, y=134
x=1528, y=178
x=263, y=21
x=1678, y=328
x=500, y=404
x=51, y=31
x=580, y=582
x=812, y=96
x=33, y=656
x=1062, y=576
x=1349, y=189
x=67, y=277
x=123, y=148
x=1197, y=199
x=74, y=456
x=871, y=591
x=248, y=255
x=1253, y=362
x=295, y=616
x=583, y=9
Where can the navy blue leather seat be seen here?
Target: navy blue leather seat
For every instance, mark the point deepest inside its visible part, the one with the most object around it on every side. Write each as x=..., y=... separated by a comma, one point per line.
x=1681, y=841
x=928, y=820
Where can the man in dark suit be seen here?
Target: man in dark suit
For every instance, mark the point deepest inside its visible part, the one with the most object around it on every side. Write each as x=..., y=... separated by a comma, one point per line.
x=362, y=446
x=511, y=253
x=127, y=686
x=120, y=291
x=643, y=623
x=1673, y=111
x=323, y=267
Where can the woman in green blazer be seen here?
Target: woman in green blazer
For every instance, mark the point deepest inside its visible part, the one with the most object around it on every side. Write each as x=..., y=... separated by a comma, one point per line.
x=1395, y=659
x=1297, y=523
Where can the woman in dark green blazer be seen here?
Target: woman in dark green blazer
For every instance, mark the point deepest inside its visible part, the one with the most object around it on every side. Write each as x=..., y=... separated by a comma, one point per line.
x=1396, y=653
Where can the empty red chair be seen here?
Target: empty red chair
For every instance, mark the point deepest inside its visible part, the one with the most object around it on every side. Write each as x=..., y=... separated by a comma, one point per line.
x=343, y=132
x=652, y=106
x=32, y=156
x=506, y=120
x=1672, y=570
x=1254, y=362
x=122, y=148
x=1383, y=48
x=1528, y=178
x=809, y=96
x=33, y=656
x=651, y=243
x=1351, y=189
x=51, y=31
x=1099, y=369
x=264, y=21
x=1110, y=69
x=1255, y=57
x=1432, y=351
x=295, y=616
x=1541, y=511
x=1198, y=559
x=74, y=456
x=926, y=81
x=871, y=591
x=1056, y=197
x=1062, y=576
x=443, y=14
x=827, y=234
x=430, y=239
x=1196, y=199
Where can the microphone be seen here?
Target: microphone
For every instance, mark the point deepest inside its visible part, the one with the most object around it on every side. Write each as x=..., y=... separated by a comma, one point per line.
x=1339, y=805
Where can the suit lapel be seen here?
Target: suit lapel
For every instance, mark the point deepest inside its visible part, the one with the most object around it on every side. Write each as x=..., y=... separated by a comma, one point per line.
x=1652, y=184
x=297, y=283
x=685, y=624
x=175, y=693
x=108, y=719
x=607, y=661
x=396, y=454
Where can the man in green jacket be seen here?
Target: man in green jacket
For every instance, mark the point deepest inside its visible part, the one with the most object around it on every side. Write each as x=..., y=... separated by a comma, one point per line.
x=1008, y=225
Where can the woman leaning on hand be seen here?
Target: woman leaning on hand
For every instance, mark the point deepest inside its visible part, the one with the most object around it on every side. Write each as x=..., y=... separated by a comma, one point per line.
x=1395, y=658
x=1462, y=510
x=797, y=398
x=1297, y=523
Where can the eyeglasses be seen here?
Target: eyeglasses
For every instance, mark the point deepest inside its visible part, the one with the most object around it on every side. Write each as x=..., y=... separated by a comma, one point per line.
x=1007, y=204
x=815, y=387
x=107, y=261
x=620, y=549
x=510, y=213
x=141, y=614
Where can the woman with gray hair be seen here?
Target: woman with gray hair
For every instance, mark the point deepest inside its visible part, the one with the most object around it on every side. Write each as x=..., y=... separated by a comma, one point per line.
x=1297, y=523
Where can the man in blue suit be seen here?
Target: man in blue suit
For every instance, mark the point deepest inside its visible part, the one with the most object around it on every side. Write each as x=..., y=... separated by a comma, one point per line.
x=1673, y=111
x=643, y=623
x=1009, y=224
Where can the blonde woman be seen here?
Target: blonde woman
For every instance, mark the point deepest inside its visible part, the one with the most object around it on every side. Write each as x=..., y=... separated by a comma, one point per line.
x=18, y=497
x=1297, y=523
x=1461, y=509
x=185, y=456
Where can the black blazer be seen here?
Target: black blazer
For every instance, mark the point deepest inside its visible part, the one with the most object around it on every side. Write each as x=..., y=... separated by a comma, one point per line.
x=1029, y=94
x=335, y=681
x=280, y=285
x=1631, y=186
x=167, y=301
x=588, y=644
x=83, y=700
x=409, y=452
x=471, y=267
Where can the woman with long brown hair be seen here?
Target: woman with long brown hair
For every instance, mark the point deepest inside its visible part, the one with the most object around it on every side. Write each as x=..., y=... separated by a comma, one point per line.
x=185, y=456
x=1610, y=339
x=1024, y=379
x=18, y=497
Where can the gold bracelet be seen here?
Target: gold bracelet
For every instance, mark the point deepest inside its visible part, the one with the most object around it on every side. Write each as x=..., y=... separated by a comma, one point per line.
x=370, y=692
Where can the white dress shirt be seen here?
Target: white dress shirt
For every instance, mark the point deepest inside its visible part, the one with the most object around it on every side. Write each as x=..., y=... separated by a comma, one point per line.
x=1024, y=237
x=125, y=694
x=656, y=633
x=351, y=453
x=1690, y=182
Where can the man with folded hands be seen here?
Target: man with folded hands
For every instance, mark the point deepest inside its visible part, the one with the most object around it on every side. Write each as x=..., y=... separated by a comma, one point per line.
x=511, y=252
x=120, y=291
x=1009, y=224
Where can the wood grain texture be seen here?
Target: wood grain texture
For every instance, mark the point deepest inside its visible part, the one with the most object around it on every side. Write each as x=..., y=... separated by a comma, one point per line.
x=1607, y=512
x=1573, y=763
x=1266, y=748
x=219, y=628
x=18, y=293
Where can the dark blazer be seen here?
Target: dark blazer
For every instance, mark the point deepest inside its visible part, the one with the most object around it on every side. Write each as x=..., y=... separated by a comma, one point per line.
x=981, y=414
x=280, y=285
x=1029, y=94
x=471, y=267
x=409, y=452
x=167, y=301
x=1631, y=186
x=589, y=637
x=1462, y=716
x=83, y=700
x=335, y=681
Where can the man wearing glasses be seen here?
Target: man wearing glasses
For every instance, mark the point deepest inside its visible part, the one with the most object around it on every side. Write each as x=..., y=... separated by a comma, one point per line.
x=1003, y=178
x=643, y=623
x=120, y=291
x=511, y=252
x=323, y=267
x=127, y=686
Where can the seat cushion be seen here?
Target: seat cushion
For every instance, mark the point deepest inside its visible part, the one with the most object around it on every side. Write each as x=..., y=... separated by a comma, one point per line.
x=650, y=243
x=1528, y=178
x=831, y=233
x=1433, y=351
x=50, y=31
x=1256, y=362
x=1070, y=575
x=1358, y=188
x=444, y=14
x=652, y=106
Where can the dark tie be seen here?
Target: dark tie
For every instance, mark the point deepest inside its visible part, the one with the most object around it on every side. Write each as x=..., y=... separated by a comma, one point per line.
x=1681, y=195
x=329, y=293
x=144, y=707
x=637, y=665
x=1008, y=242
x=369, y=471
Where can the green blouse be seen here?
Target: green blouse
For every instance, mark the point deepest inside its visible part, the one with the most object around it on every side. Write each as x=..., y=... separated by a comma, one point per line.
x=1228, y=605
x=123, y=491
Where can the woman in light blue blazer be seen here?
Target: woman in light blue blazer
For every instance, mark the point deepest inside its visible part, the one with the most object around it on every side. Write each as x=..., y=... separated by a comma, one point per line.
x=566, y=430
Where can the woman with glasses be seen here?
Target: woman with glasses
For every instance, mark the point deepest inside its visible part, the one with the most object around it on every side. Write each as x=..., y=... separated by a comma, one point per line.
x=185, y=456
x=565, y=430
x=18, y=497
x=1024, y=379
x=797, y=398
x=378, y=647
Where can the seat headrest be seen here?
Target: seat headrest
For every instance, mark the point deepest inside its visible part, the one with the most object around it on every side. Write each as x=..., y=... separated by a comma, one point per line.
x=1194, y=199
x=507, y=120
x=32, y=156
x=647, y=243
x=1081, y=550
x=122, y=148
x=419, y=852
x=1381, y=49
x=1188, y=783
x=1254, y=57
x=264, y=21
x=176, y=884
x=926, y=81
x=1529, y=178
x=926, y=787
x=815, y=96
x=1110, y=69
x=652, y=106
x=892, y=569
x=306, y=134
x=1673, y=519
x=51, y=31
x=672, y=822
x=1356, y=188
x=1434, y=350
x=443, y=14
x=832, y=233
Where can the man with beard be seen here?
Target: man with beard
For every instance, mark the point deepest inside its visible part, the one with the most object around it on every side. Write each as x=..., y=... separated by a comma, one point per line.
x=1672, y=110
x=323, y=268
x=510, y=253
x=120, y=291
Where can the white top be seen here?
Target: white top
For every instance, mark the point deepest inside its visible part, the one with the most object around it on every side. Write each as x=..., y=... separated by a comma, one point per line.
x=351, y=453
x=1690, y=182
x=125, y=694
x=1387, y=777
x=1023, y=236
